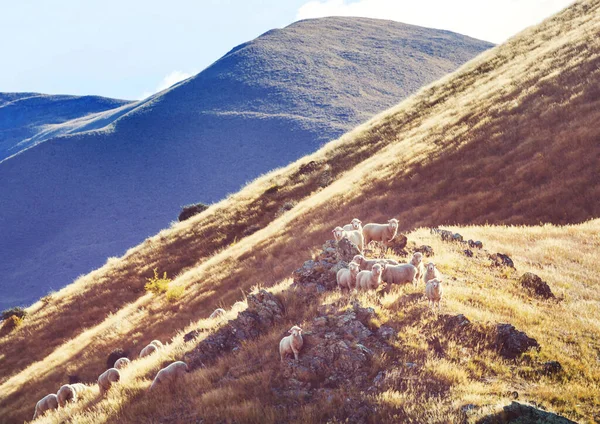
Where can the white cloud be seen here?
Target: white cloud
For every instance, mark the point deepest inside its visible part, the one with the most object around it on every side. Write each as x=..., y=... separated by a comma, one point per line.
x=491, y=20
x=170, y=79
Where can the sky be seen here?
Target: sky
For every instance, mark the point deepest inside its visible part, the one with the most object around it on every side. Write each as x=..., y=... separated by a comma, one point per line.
x=130, y=49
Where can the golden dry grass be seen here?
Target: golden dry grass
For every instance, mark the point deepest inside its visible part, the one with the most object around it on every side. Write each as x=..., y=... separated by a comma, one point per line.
x=510, y=138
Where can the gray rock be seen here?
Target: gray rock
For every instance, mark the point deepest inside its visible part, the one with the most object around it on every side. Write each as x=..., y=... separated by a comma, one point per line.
x=512, y=343
x=536, y=286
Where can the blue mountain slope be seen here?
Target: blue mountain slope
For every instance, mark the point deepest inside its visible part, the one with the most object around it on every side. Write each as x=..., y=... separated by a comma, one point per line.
x=73, y=200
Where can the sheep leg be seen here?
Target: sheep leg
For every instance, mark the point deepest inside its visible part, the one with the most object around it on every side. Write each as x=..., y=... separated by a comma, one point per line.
x=295, y=354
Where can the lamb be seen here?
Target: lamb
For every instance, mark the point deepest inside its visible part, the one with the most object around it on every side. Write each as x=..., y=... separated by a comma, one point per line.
x=400, y=274
x=431, y=272
x=122, y=363
x=148, y=350
x=217, y=313
x=380, y=232
x=417, y=261
x=65, y=394
x=157, y=343
x=292, y=343
x=46, y=403
x=356, y=224
x=107, y=378
x=355, y=236
x=433, y=291
x=346, y=277
x=370, y=280
x=170, y=374
x=367, y=265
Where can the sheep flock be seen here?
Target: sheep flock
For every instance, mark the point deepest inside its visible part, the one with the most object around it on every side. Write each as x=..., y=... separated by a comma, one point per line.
x=362, y=274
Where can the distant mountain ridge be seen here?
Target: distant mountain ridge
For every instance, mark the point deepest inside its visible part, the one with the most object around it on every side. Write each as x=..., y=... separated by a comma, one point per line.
x=27, y=118
x=111, y=179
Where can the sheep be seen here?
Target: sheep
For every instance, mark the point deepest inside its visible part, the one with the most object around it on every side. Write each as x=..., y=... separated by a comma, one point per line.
x=380, y=232
x=121, y=363
x=399, y=274
x=170, y=373
x=370, y=280
x=431, y=272
x=47, y=403
x=291, y=344
x=157, y=343
x=79, y=387
x=417, y=261
x=355, y=236
x=148, y=350
x=433, y=291
x=356, y=224
x=217, y=313
x=367, y=265
x=346, y=277
x=66, y=393
x=107, y=378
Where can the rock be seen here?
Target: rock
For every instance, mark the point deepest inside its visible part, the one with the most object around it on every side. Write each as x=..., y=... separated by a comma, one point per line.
x=536, y=286
x=346, y=250
x=425, y=250
x=512, y=343
x=502, y=260
x=521, y=413
x=386, y=332
x=264, y=310
x=551, y=367
x=457, y=237
x=191, y=335
x=446, y=235
x=471, y=243
x=398, y=244
x=114, y=355
x=479, y=244
x=468, y=253
x=308, y=168
x=326, y=178
x=188, y=211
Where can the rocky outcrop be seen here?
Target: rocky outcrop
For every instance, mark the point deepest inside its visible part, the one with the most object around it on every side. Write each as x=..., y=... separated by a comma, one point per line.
x=536, y=286
x=264, y=310
x=521, y=413
x=512, y=343
x=318, y=275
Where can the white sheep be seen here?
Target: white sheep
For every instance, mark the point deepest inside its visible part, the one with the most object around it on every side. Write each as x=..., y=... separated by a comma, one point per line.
x=121, y=363
x=431, y=272
x=217, y=313
x=346, y=277
x=354, y=236
x=355, y=224
x=433, y=291
x=400, y=274
x=107, y=378
x=65, y=394
x=370, y=280
x=292, y=343
x=417, y=261
x=46, y=403
x=170, y=374
x=79, y=387
x=157, y=343
x=380, y=232
x=367, y=264
x=148, y=350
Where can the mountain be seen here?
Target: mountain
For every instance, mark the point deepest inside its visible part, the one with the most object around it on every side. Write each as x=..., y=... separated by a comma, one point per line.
x=504, y=150
x=107, y=181
x=27, y=118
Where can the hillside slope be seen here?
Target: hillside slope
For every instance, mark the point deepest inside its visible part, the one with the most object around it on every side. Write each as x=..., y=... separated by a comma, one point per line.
x=509, y=138
x=27, y=118
x=122, y=175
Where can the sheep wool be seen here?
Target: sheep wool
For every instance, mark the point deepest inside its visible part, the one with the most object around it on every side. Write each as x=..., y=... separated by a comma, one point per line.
x=170, y=374
x=107, y=379
x=47, y=403
x=291, y=344
x=383, y=233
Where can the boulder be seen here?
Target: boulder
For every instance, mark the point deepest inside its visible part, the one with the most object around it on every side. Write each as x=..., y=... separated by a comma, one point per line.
x=511, y=343
x=551, y=368
x=114, y=355
x=522, y=413
x=502, y=260
x=190, y=210
x=425, y=250
x=536, y=286
x=468, y=253
x=397, y=244
x=346, y=250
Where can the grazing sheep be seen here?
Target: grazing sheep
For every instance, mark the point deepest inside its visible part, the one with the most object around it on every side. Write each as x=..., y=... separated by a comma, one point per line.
x=217, y=313
x=346, y=277
x=45, y=404
x=157, y=343
x=65, y=394
x=148, y=350
x=356, y=224
x=417, y=261
x=107, y=378
x=292, y=343
x=433, y=291
x=170, y=373
x=431, y=272
x=79, y=387
x=355, y=236
x=367, y=265
x=370, y=280
x=122, y=363
x=400, y=274
x=380, y=232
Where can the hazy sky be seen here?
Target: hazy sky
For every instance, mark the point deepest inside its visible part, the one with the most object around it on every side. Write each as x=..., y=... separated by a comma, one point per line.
x=132, y=48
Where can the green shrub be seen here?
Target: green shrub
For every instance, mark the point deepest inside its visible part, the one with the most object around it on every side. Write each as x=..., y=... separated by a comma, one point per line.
x=190, y=210
x=157, y=284
x=175, y=293
x=17, y=311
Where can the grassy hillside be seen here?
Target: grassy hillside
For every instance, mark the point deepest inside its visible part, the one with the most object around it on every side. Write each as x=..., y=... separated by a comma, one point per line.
x=97, y=185
x=509, y=139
